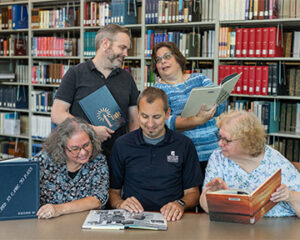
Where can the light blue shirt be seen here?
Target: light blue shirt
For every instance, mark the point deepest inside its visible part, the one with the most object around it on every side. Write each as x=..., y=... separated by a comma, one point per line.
x=202, y=136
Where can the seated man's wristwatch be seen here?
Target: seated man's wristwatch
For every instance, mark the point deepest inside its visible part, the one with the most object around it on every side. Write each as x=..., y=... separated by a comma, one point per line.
x=181, y=202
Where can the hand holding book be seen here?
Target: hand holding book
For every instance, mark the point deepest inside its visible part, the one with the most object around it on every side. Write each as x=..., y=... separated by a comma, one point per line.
x=215, y=184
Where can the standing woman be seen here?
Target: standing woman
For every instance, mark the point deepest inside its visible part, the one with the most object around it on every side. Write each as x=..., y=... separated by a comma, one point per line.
x=73, y=172
x=169, y=64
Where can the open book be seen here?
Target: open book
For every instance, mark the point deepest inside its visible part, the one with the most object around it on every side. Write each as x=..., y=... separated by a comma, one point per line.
x=209, y=95
x=239, y=206
x=121, y=219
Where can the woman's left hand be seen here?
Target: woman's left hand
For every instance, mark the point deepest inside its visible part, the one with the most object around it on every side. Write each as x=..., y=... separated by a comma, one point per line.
x=47, y=211
x=282, y=194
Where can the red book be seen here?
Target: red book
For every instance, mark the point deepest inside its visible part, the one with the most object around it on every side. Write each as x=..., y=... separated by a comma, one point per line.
x=227, y=70
x=245, y=39
x=86, y=14
x=251, y=44
x=258, y=42
x=275, y=48
x=265, y=42
x=261, y=9
x=221, y=73
x=264, y=80
x=238, y=42
x=245, y=79
x=239, y=84
x=258, y=80
x=251, y=80
x=233, y=69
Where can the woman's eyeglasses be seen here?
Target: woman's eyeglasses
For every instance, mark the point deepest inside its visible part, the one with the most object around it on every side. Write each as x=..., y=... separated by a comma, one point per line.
x=223, y=139
x=166, y=56
x=76, y=150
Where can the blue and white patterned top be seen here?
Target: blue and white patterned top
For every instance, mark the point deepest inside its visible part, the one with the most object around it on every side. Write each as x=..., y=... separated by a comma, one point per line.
x=236, y=177
x=202, y=136
x=57, y=187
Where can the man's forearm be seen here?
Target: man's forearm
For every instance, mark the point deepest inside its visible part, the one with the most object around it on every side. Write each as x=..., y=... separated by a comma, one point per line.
x=115, y=199
x=191, y=198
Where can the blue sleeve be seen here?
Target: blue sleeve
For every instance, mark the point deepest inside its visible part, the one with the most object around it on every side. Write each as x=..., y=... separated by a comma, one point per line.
x=171, y=121
x=221, y=108
x=192, y=175
x=100, y=181
x=116, y=168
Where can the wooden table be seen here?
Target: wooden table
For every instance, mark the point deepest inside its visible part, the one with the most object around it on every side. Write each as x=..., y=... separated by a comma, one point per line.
x=192, y=226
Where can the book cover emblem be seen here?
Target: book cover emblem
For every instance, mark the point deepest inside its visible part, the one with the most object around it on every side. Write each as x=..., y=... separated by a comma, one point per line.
x=102, y=109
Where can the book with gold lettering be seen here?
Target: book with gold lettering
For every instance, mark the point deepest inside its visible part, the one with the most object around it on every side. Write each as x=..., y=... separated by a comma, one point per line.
x=102, y=109
x=19, y=189
x=239, y=206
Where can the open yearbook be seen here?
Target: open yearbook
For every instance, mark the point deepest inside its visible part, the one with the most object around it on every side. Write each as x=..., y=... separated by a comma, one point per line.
x=239, y=206
x=121, y=219
x=209, y=95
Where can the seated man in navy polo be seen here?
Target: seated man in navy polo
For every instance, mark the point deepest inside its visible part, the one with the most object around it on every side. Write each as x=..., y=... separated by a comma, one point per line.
x=156, y=168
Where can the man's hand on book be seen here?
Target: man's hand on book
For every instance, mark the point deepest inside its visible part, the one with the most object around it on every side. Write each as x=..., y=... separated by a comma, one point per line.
x=172, y=211
x=205, y=115
x=132, y=205
x=103, y=132
x=282, y=193
x=215, y=185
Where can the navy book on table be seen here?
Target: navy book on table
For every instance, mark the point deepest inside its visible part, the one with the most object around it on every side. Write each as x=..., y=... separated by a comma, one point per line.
x=102, y=109
x=19, y=189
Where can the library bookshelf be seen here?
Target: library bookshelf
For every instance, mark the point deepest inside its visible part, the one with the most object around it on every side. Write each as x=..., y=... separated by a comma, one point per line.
x=195, y=25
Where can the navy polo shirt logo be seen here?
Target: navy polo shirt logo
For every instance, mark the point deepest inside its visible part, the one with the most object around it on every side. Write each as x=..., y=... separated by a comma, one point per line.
x=172, y=158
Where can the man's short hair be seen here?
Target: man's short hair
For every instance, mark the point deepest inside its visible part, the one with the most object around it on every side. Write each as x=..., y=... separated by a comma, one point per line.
x=151, y=94
x=110, y=31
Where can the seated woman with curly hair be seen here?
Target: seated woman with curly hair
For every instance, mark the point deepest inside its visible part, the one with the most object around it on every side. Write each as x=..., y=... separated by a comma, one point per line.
x=245, y=162
x=73, y=172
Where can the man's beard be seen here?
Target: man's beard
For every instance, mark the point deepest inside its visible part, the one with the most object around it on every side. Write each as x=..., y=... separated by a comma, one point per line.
x=113, y=58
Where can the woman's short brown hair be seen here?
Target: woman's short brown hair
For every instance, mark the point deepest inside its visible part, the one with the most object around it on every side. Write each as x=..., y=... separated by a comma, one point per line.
x=246, y=127
x=175, y=51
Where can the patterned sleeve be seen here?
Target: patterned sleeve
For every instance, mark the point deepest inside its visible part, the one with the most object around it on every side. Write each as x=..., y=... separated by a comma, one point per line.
x=213, y=168
x=100, y=180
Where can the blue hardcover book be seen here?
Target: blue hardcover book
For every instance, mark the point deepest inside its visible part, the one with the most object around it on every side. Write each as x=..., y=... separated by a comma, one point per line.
x=19, y=16
x=19, y=189
x=102, y=109
x=128, y=12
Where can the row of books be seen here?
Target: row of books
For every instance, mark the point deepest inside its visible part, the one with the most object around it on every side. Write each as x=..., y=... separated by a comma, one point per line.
x=14, y=97
x=13, y=148
x=258, y=9
x=176, y=11
x=118, y=12
x=41, y=126
x=293, y=78
x=48, y=73
x=90, y=49
x=13, y=17
x=190, y=44
x=10, y=123
x=290, y=148
x=289, y=117
x=67, y=16
x=250, y=42
x=267, y=112
x=254, y=80
x=21, y=73
x=42, y=101
x=55, y=46
x=13, y=45
x=134, y=69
